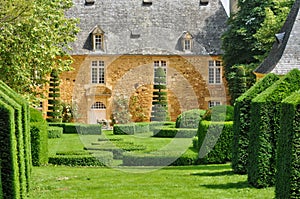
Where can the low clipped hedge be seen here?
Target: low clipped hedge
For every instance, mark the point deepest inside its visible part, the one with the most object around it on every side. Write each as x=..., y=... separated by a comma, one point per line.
x=241, y=124
x=174, y=132
x=74, y=128
x=190, y=118
x=39, y=143
x=264, y=129
x=55, y=132
x=103, y=158
x=288, y=172
x=215, y=141
x=90, y=129
x=131, y=129
x=164, y=159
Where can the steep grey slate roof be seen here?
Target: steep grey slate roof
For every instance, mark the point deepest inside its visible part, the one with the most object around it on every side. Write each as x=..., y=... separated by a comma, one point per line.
x=133, y=28
x=285, y=55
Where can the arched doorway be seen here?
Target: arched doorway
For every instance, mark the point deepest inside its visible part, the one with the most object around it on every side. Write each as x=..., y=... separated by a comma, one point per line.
x=97, y=112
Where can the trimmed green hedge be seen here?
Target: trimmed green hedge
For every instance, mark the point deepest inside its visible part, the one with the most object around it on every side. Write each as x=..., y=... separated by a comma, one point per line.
x=55, y=132
x=288, y=163
x=131, y=129
x=163, y=159
x=74, y=128
x=215, y=141
x=264, y=129
x=174, y=132
x=219, y=113
x=39, y=143
x=22, y=133
x=190, y=118
x=90, y=129
x=8, y=153
x=241, y=124
x=103, y=158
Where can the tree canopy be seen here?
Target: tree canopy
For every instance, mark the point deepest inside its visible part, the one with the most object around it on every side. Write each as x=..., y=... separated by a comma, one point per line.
x=34, y=39
x=250, y=35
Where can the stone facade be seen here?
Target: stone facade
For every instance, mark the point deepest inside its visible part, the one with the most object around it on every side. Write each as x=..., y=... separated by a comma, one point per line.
x=128, y=37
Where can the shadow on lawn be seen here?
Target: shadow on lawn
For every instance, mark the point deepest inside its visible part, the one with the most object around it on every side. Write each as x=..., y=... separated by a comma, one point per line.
x=235, y=185
x=211, y=174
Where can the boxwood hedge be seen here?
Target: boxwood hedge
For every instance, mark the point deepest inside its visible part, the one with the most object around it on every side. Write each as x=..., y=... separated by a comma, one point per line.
x=288, y=151
x=215, y=141
x=55, y=132
x=39, y=143
x=264, y=129
x=190, y=118
x=174, y=132
x=241, y=124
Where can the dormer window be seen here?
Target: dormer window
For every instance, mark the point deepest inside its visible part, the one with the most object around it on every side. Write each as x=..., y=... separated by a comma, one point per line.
x=204, y=2
x=98, y=38
x=187, y=41
x=147, y=2
x=89, y=2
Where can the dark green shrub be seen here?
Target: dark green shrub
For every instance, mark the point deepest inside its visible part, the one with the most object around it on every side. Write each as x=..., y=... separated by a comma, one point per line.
x=174, y=132
x=264, y=129
x=55, y=132
x=190, y=119
x=90, y=129
x=288, y=169
x=71, y=128
x=160, y=159
x=142, y=127
x=103, y=158
x=124, y=129
x=219, y=113
x=8, y=153
x=241, y=124
x=215, y=141
x=54, y=112
x=159, y=103
x=39, y=143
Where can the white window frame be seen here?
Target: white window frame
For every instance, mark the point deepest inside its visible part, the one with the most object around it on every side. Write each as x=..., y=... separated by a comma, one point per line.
x=98, y=106
x=214, y=103
x=214, y=72
x=187, y=44
x=98, y=42
x=98, y=72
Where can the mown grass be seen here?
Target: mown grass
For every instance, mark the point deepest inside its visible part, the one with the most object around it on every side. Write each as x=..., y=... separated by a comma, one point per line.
x=201, y=182
x=207, y=182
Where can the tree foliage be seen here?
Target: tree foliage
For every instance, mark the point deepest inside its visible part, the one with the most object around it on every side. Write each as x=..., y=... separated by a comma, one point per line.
x=32, y=46
x=250, y=35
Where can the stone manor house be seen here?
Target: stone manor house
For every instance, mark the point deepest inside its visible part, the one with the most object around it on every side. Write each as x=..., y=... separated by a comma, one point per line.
x=122, y=42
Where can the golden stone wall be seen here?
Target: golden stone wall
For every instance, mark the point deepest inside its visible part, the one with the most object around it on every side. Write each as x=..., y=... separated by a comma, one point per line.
x=130, y=78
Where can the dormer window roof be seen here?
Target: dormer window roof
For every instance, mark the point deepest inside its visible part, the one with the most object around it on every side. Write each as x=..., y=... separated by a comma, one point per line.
x=98, y=38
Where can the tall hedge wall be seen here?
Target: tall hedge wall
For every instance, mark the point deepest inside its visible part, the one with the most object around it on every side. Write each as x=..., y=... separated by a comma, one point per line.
x=288, y=159
x=25, y=127
x=215, y=141
x=8, y=153
x=264, y=129
x=241, y=123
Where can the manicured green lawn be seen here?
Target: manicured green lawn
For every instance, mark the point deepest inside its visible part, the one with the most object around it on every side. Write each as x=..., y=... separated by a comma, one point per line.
x=211, y=181
x=201, y=182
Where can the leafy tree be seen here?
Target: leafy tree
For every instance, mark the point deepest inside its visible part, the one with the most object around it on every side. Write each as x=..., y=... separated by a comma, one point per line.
x=11, y=12
x=159, y=102
x=250, y=36
x=54, y=113
x=30, y=48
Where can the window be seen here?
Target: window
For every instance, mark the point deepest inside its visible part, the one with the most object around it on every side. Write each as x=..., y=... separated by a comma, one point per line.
x=204, y=2
x=214, y=72
x=187, y=41
x=98, y=38
x=147, y=2
x=98, y=106
x=213, y=103
x=98, y=72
